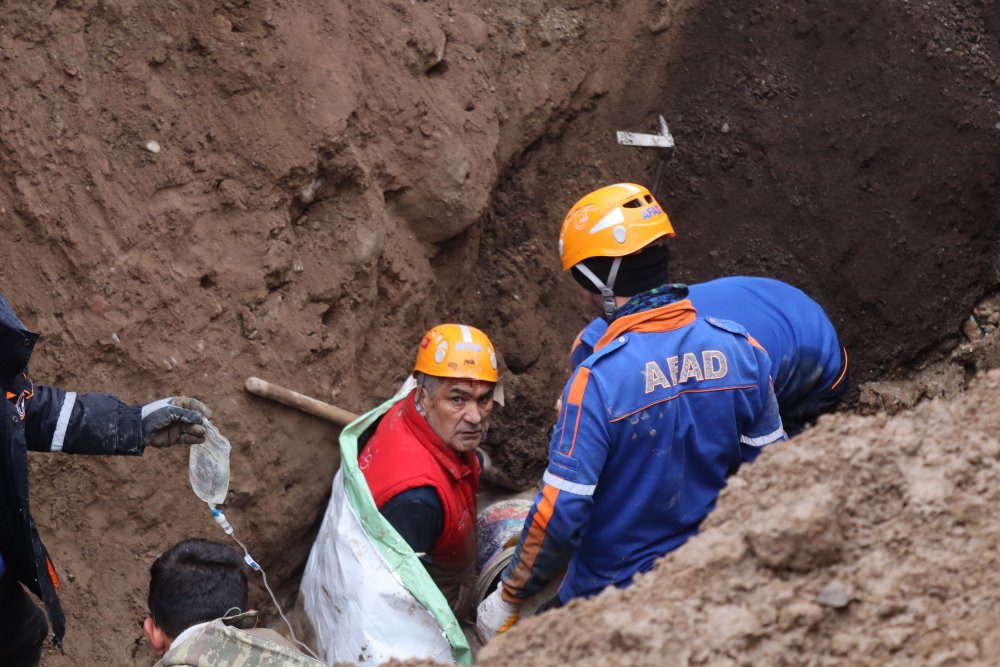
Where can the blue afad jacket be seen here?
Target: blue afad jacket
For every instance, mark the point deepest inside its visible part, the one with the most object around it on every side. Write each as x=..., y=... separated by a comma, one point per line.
x=46, y=419
x=651, y=425
x=806, y=356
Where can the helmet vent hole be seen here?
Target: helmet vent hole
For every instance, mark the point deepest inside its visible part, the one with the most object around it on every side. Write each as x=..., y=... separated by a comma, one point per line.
x=634, y=203
x=649, y=199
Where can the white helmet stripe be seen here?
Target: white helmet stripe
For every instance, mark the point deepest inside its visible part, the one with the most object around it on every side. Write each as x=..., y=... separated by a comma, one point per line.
x=614, y=217
x=628, y=186
x=466, y=334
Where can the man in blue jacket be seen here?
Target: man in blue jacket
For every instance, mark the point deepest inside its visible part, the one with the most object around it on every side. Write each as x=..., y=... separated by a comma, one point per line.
x=50, y=419
x=808, y=364
x=651, y=424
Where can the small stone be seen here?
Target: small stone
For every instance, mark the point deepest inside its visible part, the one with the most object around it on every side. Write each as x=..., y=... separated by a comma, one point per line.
x=115, y=339
x=99, y=304
x=971, y=329
x=802, y=534
x=894, y=638
x=662, y=25
x=835, y=594
x=725, y=128
x=308, y=192
x=152, y=146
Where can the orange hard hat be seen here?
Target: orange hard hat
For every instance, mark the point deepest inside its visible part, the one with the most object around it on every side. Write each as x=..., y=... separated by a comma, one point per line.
x=614, y=221
x=457, y=351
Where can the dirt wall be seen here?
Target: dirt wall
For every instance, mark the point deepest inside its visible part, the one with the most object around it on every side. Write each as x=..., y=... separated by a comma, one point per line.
x=849, y=149
x=329, y=179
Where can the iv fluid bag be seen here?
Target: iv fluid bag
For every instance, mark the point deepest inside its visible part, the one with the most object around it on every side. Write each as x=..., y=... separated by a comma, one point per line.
x=208, y=466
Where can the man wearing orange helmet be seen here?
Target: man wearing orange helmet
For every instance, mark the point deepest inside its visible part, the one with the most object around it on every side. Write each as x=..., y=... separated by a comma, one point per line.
x=650, y=425
x=421, y=464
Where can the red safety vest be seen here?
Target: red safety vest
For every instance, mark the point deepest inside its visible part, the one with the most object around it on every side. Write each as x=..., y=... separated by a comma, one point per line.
x=405, y=453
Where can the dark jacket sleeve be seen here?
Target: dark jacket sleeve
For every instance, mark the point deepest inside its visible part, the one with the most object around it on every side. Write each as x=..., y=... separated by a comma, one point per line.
x=58, y=420
x=417, y=515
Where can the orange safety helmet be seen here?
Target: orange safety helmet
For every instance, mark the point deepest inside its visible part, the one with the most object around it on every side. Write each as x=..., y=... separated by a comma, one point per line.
x=457, y=351
x=614, y=221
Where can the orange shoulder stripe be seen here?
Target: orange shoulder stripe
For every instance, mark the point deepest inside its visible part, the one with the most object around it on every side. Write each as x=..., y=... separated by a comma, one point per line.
x=579, y=386
x=575, y=397
x=532, y=545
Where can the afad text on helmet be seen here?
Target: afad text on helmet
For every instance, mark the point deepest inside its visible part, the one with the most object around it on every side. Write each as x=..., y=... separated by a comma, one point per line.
x=651, y=211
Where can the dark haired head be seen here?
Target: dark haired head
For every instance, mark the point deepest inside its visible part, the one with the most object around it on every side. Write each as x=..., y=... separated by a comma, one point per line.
x=195, y=581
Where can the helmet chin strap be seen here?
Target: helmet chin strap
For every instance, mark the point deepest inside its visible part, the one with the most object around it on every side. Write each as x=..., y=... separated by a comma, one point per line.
x=606, y=290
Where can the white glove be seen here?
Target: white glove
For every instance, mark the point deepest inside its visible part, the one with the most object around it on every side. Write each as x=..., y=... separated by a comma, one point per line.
x=495, y=615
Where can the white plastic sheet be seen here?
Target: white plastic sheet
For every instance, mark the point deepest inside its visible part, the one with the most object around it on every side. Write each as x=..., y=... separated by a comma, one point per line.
x=367, y=595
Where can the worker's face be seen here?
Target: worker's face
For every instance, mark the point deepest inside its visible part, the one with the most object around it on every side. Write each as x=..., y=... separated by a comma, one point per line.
x=459, y=411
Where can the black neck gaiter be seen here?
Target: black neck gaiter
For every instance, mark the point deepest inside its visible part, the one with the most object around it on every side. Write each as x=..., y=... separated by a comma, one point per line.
x=638, y=272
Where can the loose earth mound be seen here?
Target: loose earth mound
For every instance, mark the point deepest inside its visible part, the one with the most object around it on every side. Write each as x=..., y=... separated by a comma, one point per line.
x=866, y=541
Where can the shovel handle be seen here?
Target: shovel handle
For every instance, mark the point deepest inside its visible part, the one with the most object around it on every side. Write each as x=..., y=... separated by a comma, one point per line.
x=294, y=399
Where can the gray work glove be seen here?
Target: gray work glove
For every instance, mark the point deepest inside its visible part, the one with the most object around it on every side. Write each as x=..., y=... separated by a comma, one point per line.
x=174, y=420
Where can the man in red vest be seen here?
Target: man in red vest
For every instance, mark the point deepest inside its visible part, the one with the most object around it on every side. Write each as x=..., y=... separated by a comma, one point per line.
x=421, y=463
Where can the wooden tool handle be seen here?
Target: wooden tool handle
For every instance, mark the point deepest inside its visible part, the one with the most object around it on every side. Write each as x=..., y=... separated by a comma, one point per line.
x=299, y=401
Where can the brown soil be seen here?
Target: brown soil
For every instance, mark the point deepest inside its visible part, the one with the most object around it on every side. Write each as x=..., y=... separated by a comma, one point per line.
x=333, y=178
x=867, y=541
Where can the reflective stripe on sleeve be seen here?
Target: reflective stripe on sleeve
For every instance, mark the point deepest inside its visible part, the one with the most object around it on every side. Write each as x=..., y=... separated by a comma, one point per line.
x=773, y=436
x=566, y=485
x=63, y=422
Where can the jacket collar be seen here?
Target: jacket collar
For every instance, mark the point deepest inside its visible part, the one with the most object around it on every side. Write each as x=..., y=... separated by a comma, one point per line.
x=665, y=318
x=457, y=465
